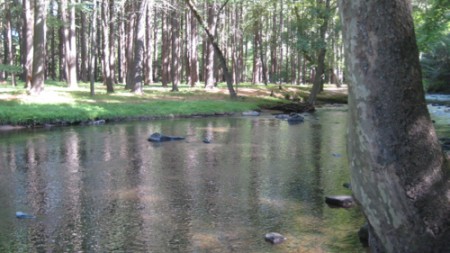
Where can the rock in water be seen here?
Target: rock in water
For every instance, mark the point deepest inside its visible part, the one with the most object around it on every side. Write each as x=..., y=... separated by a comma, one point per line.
x=251, y=113
x=22, y=215
x=274, y=238
x=157, y=137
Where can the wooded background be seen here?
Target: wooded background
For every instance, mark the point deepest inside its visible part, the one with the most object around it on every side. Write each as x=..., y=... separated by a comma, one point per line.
x=145, y=42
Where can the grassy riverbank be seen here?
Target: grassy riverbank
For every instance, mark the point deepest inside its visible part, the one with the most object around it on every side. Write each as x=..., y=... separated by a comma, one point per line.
x=60, y=105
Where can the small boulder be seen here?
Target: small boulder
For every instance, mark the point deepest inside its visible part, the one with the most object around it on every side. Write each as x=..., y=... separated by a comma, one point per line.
x=282, y=116
x=251, y=113
x=206, y=140
x=343, y=201
x=22, y=215
x=157, y=137
x=274, y=238
x=295, y=118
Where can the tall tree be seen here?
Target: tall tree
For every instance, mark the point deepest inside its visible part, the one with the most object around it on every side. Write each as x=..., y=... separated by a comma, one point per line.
x=212, y=39
x=69, y=40
x=39, y=45
x=27, y=32
x=9, y=41
x=139, y=42
x=324, y=10
x=399, y=172
x=108, y=72
x=176, y=47
x=93, y=55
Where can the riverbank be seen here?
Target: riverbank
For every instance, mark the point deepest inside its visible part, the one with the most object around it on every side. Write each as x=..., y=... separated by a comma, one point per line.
x=59, y=105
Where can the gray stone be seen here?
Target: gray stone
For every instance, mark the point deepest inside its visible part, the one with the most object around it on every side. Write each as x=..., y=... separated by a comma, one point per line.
x=157, y=137
x=274, y=238
x=343, y=201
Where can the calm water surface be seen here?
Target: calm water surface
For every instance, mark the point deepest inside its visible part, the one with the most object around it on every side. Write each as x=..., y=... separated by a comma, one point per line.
x=107, y=189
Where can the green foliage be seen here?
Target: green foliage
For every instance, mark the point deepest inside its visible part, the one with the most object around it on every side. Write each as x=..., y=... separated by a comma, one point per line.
x=10, y=68
x=432, y=21
x=436, y=66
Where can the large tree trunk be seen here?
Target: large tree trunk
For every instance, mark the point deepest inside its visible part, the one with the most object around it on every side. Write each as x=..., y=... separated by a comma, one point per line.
x=39, y=45
x=399, y=173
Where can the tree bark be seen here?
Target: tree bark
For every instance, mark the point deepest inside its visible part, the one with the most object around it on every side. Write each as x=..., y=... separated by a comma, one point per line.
x=39, y=45
x=399, y=172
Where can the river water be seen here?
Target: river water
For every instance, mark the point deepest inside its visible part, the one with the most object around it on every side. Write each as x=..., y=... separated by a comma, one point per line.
x=107, y=189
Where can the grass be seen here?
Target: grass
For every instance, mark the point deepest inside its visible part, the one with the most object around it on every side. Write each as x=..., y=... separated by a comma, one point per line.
x=61, y=105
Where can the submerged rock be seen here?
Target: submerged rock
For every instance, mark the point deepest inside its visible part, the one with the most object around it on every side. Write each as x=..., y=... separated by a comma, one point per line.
x=295, y=118
x=22, y=215
x=274, y=238
x=157, y=137
x=343, y=201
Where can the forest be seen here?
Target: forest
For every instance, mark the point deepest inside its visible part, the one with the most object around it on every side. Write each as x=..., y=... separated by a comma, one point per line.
x=203, y=43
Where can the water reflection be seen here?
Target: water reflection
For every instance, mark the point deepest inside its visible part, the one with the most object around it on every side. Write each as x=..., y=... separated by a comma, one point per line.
x=106, y=189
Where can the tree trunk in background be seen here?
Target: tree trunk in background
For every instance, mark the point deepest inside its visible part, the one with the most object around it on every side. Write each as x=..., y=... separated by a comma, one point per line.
x=121, y=42
x=70, y=53
x=399, y=173
x=39, y=45
x=28, y=27
x=165, y=49
x=193, y=54
x=139, y=42
x=130, y=29
x=209, y=67
x=84, y=59
x=112, y=45
x=9, y=41
x=273, y=76
x=176, y=52
x=223, y=61
x=93, y=56
x=320, y=69
x=108, y=79
x=149, y=45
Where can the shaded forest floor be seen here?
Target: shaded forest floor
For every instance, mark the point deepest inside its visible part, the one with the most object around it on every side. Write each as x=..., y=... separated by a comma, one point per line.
x=59, y=105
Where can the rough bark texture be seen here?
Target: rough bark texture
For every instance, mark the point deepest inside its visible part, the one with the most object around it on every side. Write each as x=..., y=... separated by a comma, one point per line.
x=399, y=173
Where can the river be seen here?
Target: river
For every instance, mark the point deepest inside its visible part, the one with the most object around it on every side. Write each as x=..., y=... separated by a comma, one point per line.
x=107, y=189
